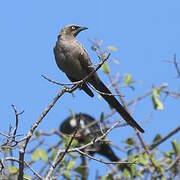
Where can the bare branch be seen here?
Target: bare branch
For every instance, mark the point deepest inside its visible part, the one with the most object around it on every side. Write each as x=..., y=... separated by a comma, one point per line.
x=26, y=164
x=59, y=157
x=174, y=131
x=101, y=160
x=173, y=163
x=174, y=61
x=17, y=120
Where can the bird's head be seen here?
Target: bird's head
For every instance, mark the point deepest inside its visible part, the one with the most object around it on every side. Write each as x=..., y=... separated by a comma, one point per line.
x=72, y=30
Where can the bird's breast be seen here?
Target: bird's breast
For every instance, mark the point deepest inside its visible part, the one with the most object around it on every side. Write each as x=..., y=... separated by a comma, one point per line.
x=66, y=55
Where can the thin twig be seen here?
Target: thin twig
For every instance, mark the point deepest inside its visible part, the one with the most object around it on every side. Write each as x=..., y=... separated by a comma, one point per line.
x=155, y=144
x=176, y=66
x=173, y=163
x=101, y=160
x=2, y=165
x=26, y=164
x=59, y=157
x=174, y=61
x=17, y=120
x=103, y=93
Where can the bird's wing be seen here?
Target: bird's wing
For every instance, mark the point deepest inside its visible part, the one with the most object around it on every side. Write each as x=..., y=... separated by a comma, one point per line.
x=87, y=66
x=85, y=61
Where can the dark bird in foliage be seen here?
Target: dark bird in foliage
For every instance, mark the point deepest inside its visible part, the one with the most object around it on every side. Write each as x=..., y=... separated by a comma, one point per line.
x=87, y=130
x=74, y=61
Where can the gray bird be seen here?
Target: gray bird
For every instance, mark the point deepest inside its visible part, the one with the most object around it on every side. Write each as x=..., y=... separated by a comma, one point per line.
x=74, y=61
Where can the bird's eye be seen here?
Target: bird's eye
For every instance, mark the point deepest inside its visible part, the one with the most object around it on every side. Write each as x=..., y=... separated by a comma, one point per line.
x=73, y=27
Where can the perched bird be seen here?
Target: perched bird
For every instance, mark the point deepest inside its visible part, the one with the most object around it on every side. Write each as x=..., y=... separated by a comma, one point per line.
x=74, y=61
x=87, y=130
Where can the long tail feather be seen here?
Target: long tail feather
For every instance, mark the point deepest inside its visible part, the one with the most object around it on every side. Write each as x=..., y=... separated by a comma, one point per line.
x=113, y=102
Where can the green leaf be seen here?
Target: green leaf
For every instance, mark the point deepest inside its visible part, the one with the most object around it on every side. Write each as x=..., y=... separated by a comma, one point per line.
x=143, y=159
x=63, y=163
x=103, y=178
x=157, y=138
x=133, y=158
x=126, y=174
x=154, y=161
x=67, y=139
x=107, y=177
x=169, y=154
x=12, y=169
x=127, y=79
x=80, y=170
x=53, y=153
x=163, y=178
x=130, y=141
x=43, y=155
x=74, y=143
x=40, y=154
x=105, y=68
x=70, y=165
x=104, y=56
x=156, y=102
x=112, y=48
x=67, y=174
x=35, y=155
x=139, y=173
x=157, y=164
x=102, y=117
x=73, y=114
x=176, y=147
x=27, y=177
x=133, y=169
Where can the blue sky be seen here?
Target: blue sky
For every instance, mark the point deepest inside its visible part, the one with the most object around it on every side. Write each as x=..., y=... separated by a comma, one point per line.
x=145, y=33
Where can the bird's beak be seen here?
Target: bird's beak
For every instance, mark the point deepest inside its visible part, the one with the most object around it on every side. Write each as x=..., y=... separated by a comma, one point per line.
x=79, y=30
x=82, y=29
